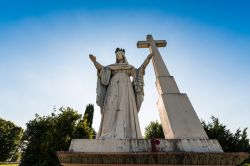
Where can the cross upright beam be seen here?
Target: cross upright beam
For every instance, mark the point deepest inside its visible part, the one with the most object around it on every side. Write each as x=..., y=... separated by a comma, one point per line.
x=177, y=114
x=159, y=65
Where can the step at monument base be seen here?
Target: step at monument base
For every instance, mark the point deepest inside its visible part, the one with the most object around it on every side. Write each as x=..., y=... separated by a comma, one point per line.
x=145, y=145
x=150, y=158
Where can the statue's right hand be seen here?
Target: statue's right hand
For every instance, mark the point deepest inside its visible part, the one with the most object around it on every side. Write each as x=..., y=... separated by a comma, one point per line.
x=92, y=57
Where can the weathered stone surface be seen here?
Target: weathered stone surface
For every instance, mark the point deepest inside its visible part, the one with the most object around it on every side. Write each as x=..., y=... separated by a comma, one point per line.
x=153, y=158
x=119, y=97
x=143, y=145
x=178, y=117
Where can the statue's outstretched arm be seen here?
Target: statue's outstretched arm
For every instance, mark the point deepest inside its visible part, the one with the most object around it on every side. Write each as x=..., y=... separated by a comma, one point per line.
x=98, y=66
x=146, y=62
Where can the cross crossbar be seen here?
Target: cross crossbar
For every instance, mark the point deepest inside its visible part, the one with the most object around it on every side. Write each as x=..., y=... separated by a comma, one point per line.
x=149, y=41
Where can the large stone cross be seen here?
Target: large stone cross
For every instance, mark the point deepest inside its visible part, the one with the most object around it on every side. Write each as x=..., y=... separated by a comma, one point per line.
x=160, y=68
x=177, y=114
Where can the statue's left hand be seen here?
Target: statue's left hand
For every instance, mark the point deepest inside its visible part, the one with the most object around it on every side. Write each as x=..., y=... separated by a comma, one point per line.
x=92, y=57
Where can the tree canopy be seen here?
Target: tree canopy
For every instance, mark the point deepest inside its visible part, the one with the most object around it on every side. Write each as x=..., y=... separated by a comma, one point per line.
x=230, y=142
x=84, y=127
x=88, y=115
x=10, y=140
x=154, y=130
x=45, y=135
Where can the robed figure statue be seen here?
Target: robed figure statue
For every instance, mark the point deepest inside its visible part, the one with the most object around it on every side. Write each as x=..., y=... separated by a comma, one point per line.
x=119, y=98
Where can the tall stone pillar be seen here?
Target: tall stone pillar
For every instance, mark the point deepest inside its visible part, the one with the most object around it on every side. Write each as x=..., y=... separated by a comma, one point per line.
x=178, y=118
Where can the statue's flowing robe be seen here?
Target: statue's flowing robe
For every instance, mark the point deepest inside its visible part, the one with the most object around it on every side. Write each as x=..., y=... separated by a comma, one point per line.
x=120, y=101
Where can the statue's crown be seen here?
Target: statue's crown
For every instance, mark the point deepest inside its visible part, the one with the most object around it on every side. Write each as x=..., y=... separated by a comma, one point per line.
x=119, y=49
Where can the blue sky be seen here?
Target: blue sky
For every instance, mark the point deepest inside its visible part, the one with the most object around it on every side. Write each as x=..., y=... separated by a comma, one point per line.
x=44, y=47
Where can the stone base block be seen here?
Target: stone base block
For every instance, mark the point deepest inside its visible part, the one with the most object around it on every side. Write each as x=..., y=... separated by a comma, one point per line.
x=143, y=145
x=150, y=158
x=178, y=117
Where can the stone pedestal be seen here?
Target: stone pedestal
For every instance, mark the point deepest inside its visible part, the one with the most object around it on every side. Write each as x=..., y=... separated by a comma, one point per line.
x=150, y=159
x=158, y=152
x=144, y=145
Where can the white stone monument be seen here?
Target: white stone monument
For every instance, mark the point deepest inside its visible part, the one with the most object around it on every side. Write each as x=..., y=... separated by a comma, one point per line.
x=120, y=100
x=178, y=118
x=119, y=140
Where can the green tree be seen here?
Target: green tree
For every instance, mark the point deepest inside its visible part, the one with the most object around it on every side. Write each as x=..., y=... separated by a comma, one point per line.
x=88, y=115
x=45, y=135
x=230, y=142
x=154, y=130
x=10, y=140
x=84, y=127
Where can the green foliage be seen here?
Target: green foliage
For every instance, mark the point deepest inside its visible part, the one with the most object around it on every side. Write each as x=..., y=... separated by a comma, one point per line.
x=83, y=131
x=88, y=115
x=10, y=140
x=154, y=130
x=46, y=135
x=84, y=127
x=230, y=142
x=246, y=164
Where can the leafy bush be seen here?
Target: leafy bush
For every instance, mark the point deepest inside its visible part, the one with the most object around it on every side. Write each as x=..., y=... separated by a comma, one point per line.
x=10, y=140
x=154, y=130
x=45, y=135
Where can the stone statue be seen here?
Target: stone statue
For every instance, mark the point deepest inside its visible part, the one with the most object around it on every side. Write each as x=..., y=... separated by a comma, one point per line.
x=119, y=98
